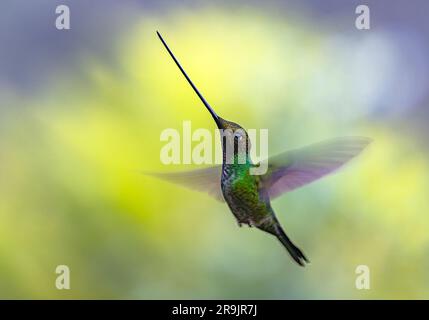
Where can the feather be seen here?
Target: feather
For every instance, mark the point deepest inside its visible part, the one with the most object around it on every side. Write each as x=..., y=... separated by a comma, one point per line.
x=205, y=180
x=296, y=168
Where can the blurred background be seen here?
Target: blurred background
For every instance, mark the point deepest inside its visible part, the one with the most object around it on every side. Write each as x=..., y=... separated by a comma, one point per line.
x=81, y=111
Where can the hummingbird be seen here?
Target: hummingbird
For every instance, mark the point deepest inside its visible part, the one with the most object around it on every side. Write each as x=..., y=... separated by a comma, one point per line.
x=249, y=196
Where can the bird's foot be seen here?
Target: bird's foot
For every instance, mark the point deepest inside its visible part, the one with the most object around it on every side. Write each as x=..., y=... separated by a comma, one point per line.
x=248, y=222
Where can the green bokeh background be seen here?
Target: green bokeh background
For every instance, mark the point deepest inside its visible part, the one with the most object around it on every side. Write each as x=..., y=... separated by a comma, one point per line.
x=71, y=151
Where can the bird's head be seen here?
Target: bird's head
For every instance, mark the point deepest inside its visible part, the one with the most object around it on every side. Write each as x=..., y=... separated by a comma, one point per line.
x=235, y=140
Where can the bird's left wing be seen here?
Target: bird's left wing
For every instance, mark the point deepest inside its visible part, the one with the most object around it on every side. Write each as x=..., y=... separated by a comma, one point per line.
x=204, y=180
x=296, y=168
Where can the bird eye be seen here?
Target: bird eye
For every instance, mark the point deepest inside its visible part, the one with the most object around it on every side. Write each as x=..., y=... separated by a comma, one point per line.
x=238, y=135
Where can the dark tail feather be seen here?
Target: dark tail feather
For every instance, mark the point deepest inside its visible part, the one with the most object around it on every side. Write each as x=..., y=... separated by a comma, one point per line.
x=293, y=250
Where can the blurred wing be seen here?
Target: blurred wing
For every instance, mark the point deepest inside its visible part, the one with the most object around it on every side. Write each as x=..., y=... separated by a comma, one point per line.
x=296, y=168
x=204, y=180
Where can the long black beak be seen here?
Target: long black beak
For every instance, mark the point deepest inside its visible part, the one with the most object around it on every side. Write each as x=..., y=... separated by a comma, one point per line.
x=216, y=118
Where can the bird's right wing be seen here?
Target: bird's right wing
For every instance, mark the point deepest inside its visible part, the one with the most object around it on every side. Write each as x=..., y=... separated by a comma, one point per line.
x=296, y=168
x=204, y=180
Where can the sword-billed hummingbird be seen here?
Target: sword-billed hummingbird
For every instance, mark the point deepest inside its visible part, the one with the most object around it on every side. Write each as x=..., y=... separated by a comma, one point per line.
x=248, y=196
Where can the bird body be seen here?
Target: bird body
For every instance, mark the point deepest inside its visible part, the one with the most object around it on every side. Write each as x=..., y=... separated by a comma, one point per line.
x=245, y=194
x=242, y=194
x=248, y=195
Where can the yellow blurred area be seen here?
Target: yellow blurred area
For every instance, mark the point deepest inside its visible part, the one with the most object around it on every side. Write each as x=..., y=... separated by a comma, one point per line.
x=72, y=192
